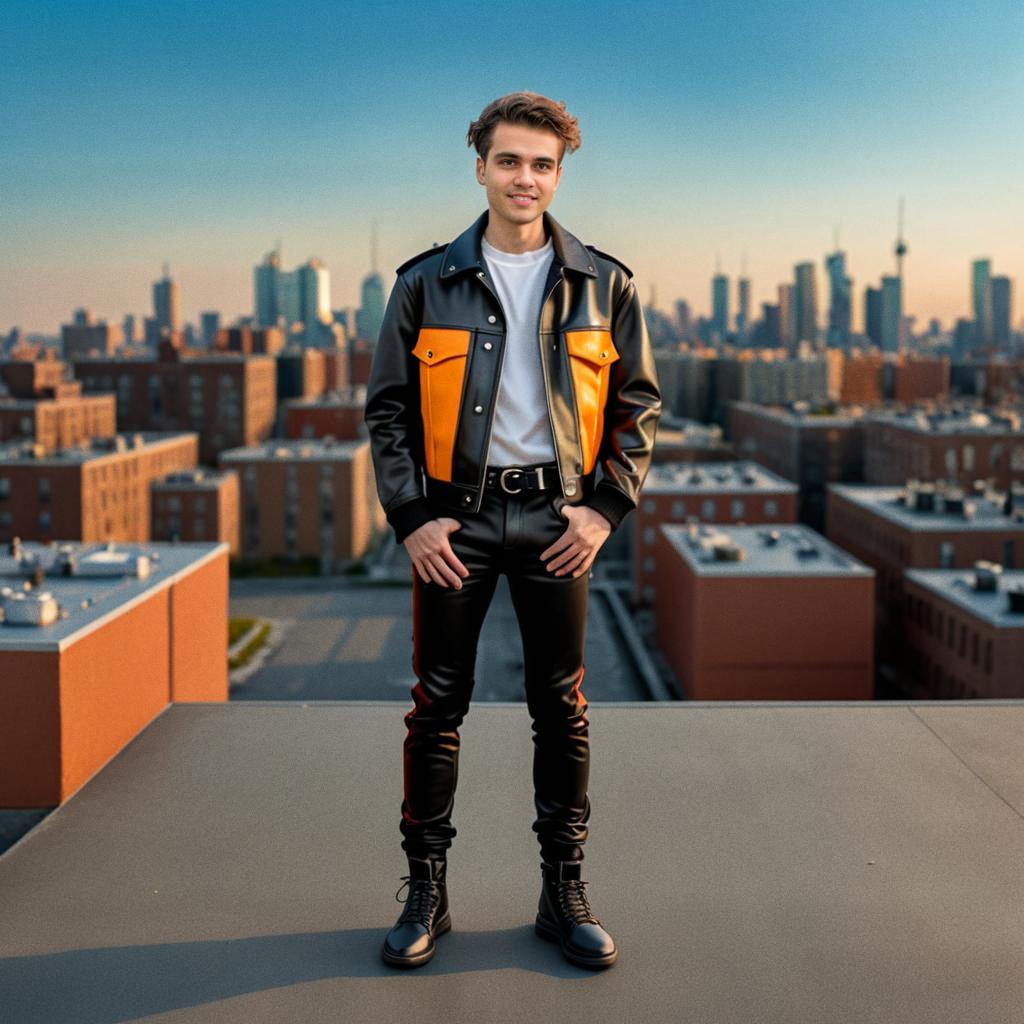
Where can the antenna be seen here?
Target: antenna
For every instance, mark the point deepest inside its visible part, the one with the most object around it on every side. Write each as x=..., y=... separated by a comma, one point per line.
x=167, y=269
x=373, y=246
x=835, y=239
x=901, y=245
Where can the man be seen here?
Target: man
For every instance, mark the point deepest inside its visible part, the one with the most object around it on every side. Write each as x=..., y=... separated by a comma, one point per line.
x=511, y=364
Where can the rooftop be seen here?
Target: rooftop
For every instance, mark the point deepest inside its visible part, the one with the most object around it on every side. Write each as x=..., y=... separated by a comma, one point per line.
x=776, y=863
x=800, y=414
x=200, y=478
x=687, y=478
x=958, y=587
x=28, y=452
x=352, y=395
x=954, y=420
x=782, y=550
x=925, y=507
x=311, y=449
x=107, y=580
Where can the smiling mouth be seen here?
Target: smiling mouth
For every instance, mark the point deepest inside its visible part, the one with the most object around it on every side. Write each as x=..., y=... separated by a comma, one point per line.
x=522, y=198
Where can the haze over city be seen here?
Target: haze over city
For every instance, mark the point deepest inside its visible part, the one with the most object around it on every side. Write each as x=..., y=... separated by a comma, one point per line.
x=724, y=134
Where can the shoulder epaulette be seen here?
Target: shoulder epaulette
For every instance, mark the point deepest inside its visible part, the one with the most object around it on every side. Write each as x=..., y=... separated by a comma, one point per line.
x=609, y=256
x=419, y=256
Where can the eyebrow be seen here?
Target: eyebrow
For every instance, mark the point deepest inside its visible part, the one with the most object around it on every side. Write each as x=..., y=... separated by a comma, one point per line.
x=498, y=156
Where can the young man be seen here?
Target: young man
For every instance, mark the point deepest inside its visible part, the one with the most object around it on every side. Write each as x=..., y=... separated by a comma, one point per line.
x=512, y=363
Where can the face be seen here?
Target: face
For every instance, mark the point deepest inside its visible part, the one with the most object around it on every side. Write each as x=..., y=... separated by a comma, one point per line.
x=522, y=162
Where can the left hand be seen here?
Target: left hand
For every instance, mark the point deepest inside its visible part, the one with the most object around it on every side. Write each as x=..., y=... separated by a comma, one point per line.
x=577, y=548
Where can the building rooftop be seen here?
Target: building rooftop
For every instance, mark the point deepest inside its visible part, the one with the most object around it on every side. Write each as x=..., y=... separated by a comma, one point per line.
x=28, y=452
x=799, y=414
x=108, y=579
x=782, y=550
x=958, y=587
x=353, y=395
x=772, y=862
x=689, y=478
x=199, y=478
x=952, y=420
x=925, y=507
x=311, y=449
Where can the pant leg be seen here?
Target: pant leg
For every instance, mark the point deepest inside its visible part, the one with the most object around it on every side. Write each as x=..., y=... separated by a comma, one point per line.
x=552, y=613
x=446, y=629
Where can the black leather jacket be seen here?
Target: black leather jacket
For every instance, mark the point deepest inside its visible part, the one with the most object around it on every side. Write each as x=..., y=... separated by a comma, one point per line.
x=434, y=380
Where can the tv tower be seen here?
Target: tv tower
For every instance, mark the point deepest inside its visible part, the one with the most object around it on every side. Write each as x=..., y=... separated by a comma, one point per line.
x=901, y=246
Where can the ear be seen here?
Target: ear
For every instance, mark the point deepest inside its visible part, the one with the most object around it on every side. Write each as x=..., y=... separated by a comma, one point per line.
x=480, y=171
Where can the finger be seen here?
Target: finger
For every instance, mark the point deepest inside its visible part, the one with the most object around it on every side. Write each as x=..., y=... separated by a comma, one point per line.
x=452, y=559
x=441, y=566
x=435, y=576
x=585, y=567
x=572, y=563
x=558, y=545
x=567, y=556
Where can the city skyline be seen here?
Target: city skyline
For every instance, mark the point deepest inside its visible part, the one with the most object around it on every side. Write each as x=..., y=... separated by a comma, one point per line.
x=747, y=135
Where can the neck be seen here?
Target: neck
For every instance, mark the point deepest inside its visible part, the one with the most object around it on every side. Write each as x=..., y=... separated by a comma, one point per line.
x=510, y=237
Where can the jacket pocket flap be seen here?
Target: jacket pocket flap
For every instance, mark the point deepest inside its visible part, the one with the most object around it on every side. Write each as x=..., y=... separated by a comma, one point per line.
x=435, y=344
x=593, y=344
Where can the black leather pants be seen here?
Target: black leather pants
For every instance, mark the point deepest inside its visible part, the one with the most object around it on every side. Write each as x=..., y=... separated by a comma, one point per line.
x=506, y=536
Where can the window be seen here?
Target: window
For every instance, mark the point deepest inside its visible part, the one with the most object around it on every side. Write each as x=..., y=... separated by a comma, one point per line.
x=988, y=657
x=5, y=486
x=771, y=507
x=968, y=457
x=707, y=508
x=650, y=505
x=736, y=508
x=678, y=509
x=947, y=554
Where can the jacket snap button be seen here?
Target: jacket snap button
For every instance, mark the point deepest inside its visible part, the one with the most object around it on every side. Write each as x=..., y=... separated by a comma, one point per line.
x=488, y=346
x=492, y=319
x=570, y=487
x=430, y=353
x=604, y=355
x=478, y=408
x=467, y=499
x=452, y=267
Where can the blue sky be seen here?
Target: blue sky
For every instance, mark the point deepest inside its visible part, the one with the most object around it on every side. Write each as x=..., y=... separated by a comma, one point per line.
x=131, y=133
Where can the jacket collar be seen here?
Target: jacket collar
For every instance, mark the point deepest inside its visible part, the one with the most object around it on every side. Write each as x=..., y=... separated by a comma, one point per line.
x=465, y=252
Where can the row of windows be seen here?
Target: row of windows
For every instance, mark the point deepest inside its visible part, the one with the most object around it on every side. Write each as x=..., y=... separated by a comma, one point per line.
x=945, y=628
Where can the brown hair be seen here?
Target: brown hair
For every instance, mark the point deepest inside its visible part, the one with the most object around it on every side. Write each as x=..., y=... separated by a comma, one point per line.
x=528, y=108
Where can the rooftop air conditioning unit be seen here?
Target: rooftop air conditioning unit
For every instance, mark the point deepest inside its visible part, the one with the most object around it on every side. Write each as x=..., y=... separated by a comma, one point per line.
x=28, y=608
x=986, y=576
x=727, y=551
x=1015, y=594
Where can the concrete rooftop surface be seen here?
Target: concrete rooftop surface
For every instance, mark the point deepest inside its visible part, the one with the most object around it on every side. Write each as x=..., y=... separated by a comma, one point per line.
x=783, y=862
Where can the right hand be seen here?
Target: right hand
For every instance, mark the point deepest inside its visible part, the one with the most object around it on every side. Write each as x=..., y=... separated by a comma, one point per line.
x=432, y=554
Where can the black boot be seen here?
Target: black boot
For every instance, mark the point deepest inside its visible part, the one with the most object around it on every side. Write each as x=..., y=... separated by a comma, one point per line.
x=410, y=943
x=565, y=917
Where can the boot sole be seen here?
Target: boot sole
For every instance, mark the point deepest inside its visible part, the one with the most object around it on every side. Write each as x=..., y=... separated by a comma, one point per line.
x=549, y=930
x=394, y=960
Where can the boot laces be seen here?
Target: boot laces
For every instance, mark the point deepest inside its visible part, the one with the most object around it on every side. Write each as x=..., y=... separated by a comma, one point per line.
x=421, y=900
x=572, y=897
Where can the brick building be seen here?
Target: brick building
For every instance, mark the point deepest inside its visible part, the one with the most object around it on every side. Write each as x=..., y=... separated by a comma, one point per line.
x=337, y=414
x=227, y=399
x=96, y=649
x=196, y=505
x=726, y=493
x=958, y=445
x=40, y=403
x=763, y=613
x=307, y=499
x=965, y=632
x=93, y=492
x=812, y=450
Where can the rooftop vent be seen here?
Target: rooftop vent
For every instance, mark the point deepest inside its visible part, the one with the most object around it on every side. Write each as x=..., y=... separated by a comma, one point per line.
x=28, y=608
x=771, y=537
x=727, y=550
x=805, y=549
x=924, y=497
x=113, y=563
x=1015, y=594
x=986, y=576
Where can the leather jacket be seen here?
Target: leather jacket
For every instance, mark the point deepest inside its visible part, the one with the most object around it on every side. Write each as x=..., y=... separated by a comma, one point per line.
x=434, y=380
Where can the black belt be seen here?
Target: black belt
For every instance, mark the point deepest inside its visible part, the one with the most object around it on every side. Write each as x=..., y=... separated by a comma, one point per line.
x=541, y=476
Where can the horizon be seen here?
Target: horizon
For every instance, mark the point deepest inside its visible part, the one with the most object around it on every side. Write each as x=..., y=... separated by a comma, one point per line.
x=135, y=137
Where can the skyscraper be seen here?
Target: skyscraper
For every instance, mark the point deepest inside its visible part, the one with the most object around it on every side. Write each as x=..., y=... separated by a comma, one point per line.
x=743, y=312
x=720, y=304
x=891, y=314
x=167, y=302
x=805, y=303
x=302, y=295
x=840, y=301
x=268, y=289
x=981, y=297
x=1002, y=311
x=371, y=307
x=873, y=314
x=787, y=320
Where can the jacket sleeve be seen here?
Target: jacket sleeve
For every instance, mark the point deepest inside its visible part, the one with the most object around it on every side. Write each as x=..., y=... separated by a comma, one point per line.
x=631, y=413
x=392, y=403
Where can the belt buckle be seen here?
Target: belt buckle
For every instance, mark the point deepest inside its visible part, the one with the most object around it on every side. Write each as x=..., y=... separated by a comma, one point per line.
x=501, y=479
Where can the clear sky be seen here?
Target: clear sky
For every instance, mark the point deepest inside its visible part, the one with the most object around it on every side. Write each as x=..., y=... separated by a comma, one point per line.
x=200, y=133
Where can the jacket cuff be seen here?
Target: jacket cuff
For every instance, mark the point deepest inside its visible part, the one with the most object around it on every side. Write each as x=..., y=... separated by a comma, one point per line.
x=611, y=503
x=410, y=516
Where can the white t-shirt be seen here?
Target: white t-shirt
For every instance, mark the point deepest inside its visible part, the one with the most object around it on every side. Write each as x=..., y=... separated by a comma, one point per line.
x=521, y=431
